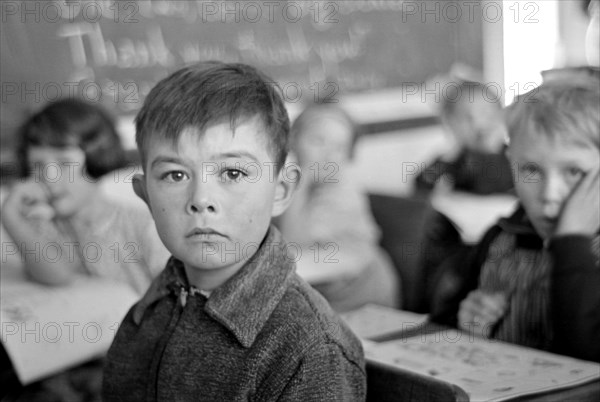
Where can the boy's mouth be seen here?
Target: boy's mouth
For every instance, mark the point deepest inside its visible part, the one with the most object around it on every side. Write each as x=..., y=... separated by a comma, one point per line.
x=203, y=233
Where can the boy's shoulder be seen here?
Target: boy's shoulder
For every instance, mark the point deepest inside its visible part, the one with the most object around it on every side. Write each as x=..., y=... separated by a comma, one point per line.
x=267, y=305
x=308, y=320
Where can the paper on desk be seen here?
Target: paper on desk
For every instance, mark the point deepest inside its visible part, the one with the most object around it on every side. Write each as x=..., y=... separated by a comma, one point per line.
x=47, y=329
x=372, y=321
x=486, y=370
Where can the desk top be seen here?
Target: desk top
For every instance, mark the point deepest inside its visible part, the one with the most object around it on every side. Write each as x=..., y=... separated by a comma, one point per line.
x=431, y=361
x=45, y=330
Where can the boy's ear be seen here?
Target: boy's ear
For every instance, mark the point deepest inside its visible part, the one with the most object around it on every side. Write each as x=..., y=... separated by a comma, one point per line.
x=288, y=180
x=139, y=187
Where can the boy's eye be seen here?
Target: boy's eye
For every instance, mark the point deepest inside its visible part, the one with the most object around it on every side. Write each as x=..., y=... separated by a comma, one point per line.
x=233, y=175
x=530, y=173
x=529, y=168
x=175, y=176
x=574, y=172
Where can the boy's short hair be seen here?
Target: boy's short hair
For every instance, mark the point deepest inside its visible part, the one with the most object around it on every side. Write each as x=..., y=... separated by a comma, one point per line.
x=74, y=123
x=329, y=110
x=208, y=93
x=558, y=108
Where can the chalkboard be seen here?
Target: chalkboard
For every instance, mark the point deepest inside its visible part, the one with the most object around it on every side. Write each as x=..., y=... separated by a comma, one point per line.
x=114, y=52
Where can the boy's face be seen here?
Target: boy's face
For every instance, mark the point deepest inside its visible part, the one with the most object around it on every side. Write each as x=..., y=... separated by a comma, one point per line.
x=212, y=195
x=546, y=171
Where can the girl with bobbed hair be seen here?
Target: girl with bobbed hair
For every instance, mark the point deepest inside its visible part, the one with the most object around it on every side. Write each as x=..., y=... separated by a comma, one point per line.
x=61, y=221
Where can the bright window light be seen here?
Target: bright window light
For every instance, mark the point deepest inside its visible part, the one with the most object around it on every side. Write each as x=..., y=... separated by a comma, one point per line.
x=531, y=34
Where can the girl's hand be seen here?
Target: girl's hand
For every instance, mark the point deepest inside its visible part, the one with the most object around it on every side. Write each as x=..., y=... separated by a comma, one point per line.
x=581, y=211
x=480, y=311
x=31, y=200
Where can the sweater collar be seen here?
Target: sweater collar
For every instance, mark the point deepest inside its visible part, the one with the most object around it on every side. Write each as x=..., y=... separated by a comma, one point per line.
x=244, y=303
x=519, y=225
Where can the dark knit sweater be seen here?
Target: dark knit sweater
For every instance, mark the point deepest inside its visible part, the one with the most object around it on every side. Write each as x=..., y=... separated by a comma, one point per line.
x=263, y=335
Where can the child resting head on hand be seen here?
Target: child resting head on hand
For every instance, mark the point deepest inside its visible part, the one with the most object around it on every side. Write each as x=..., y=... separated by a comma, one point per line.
x=65, y=149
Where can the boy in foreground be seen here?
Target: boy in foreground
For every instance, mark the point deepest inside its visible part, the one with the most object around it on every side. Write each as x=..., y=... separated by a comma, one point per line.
x=228, y=318
x=534, y=278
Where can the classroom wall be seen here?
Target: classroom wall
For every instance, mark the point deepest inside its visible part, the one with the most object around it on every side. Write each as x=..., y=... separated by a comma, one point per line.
x=389, y=163
x=114, y=52
x=573, y=26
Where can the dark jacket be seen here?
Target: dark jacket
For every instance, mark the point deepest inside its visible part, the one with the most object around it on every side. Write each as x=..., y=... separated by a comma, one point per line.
x=263, y=335
x=574, y=285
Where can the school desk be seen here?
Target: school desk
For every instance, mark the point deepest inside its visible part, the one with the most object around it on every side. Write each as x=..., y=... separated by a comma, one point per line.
x=45, y=330
x=412, y=359
x=385, y=384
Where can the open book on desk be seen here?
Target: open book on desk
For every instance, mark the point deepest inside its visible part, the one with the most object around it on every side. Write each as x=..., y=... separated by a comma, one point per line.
x=45, y=330
x=465, y=367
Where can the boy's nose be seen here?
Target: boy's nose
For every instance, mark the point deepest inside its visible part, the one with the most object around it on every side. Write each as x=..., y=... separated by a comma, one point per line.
x=201, y=200
x=554, y=192
x=199, y=206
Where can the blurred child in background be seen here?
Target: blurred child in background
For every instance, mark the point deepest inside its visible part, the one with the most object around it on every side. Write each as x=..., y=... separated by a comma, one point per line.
x=534, y=278
x=57, y=215
x=475, y=166
x=472, y=115
x=330, y=217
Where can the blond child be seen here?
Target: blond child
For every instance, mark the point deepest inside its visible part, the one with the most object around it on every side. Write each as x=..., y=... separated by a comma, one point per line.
x=534, y=278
